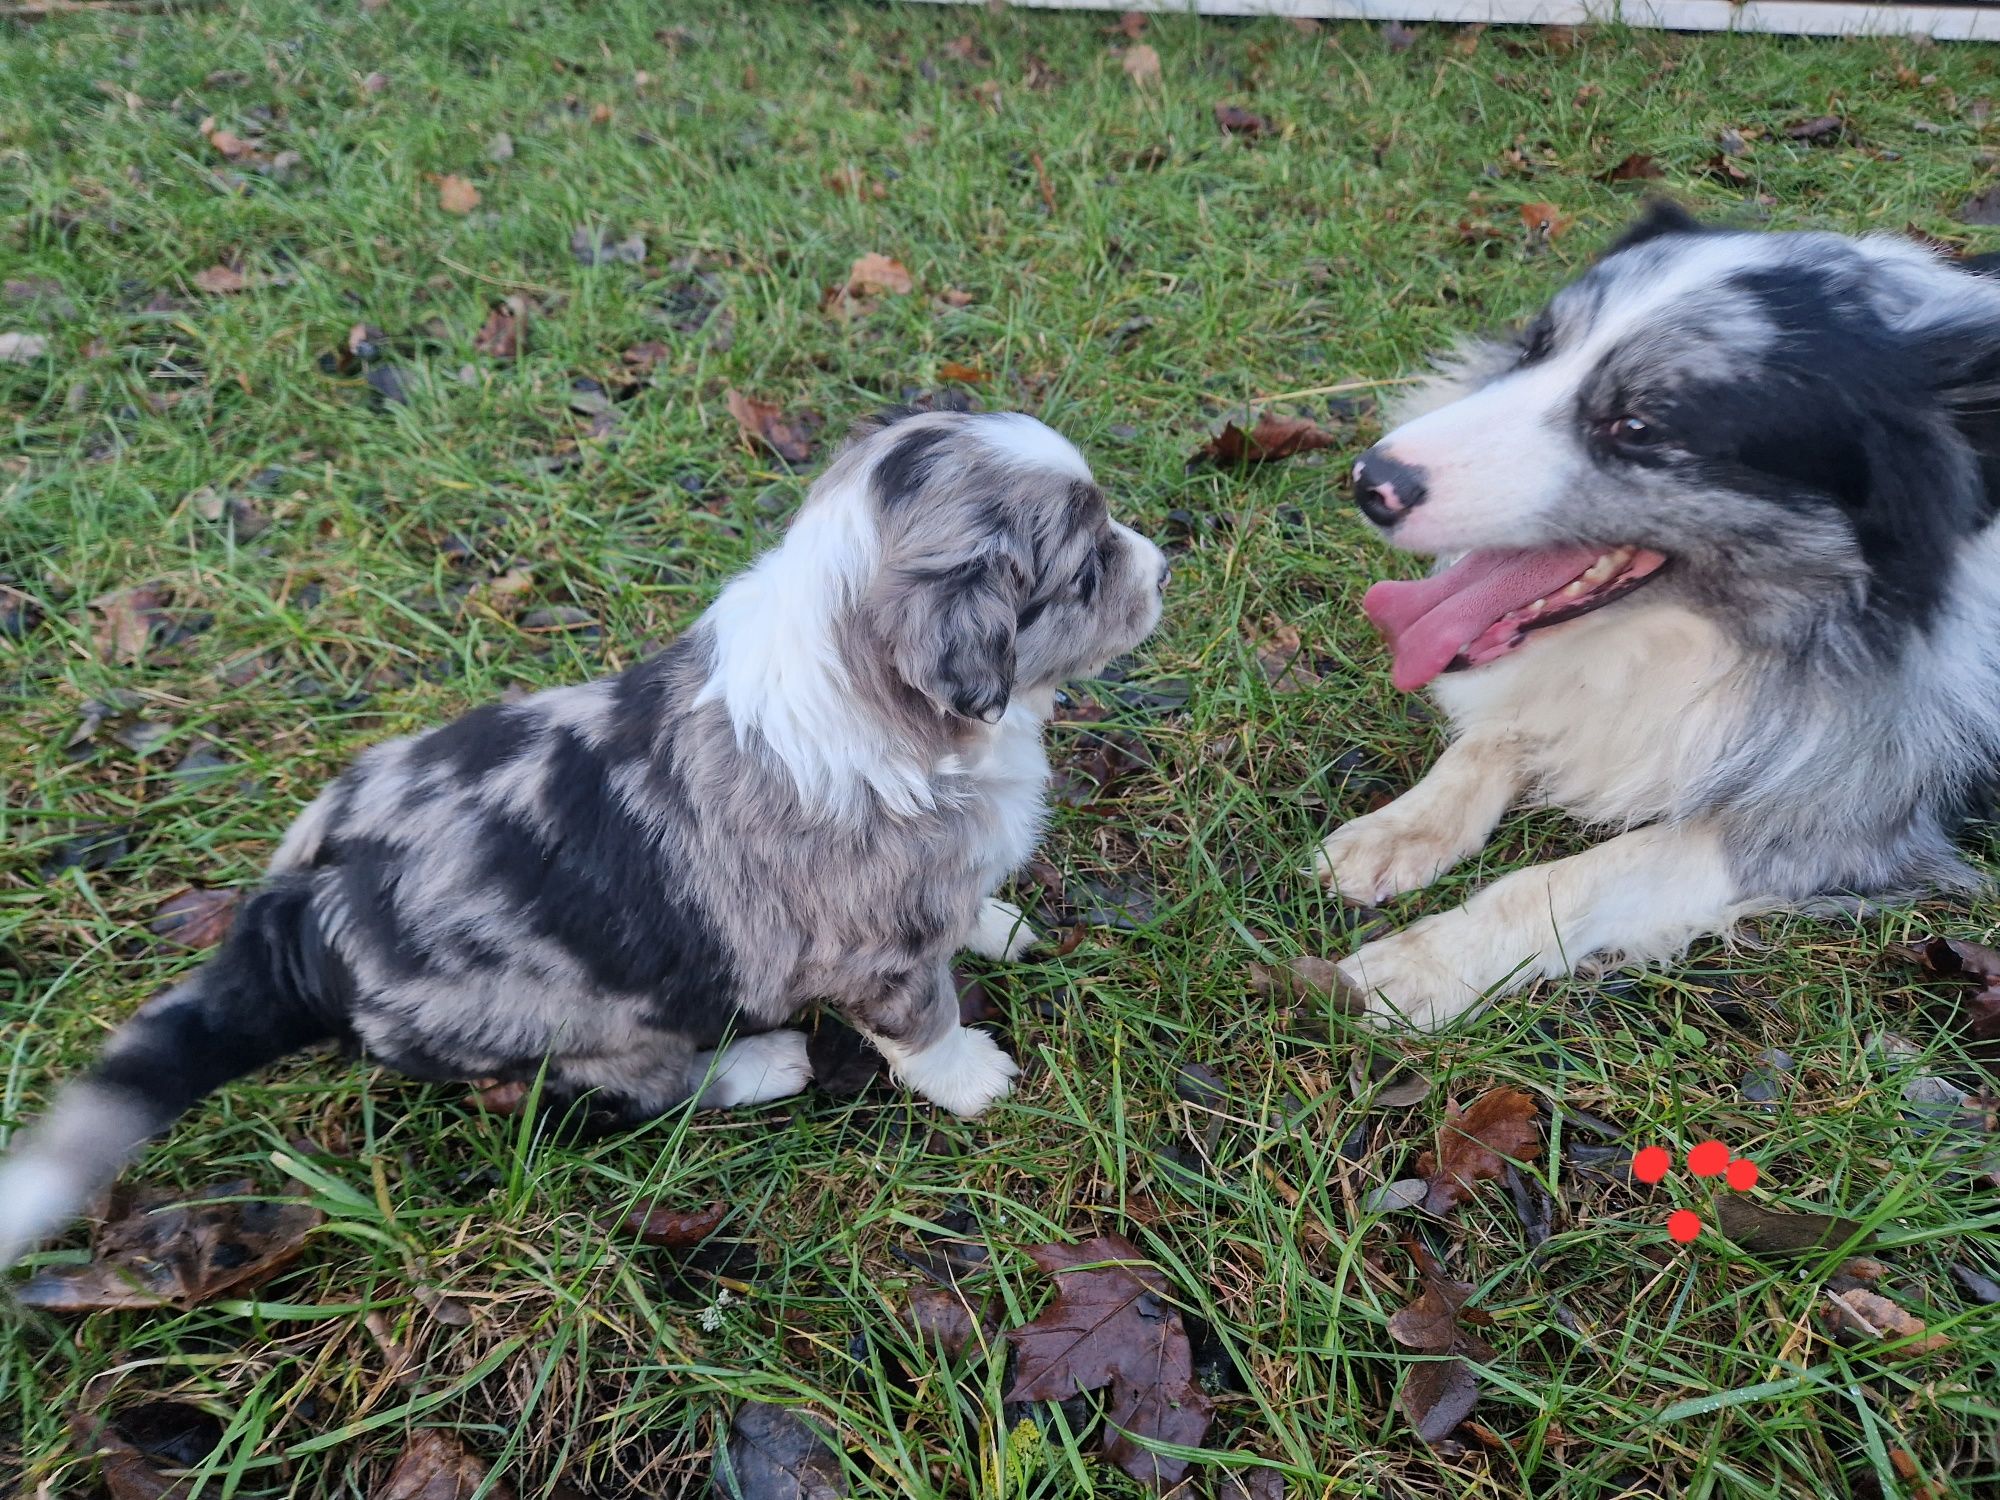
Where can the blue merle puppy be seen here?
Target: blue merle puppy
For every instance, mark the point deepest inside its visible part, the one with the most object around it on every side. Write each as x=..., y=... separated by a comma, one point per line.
x=633, y=884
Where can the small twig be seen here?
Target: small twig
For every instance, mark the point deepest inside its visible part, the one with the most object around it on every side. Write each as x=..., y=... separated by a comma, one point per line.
x=1048, y=188
x=1345, y=385
x=41, y=10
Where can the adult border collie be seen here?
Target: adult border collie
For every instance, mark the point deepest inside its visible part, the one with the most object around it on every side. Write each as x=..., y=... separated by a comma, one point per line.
x=634, y=883
x=1722, y=579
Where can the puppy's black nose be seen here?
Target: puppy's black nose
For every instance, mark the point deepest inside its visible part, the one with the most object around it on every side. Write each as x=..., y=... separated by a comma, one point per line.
x=1386, y=489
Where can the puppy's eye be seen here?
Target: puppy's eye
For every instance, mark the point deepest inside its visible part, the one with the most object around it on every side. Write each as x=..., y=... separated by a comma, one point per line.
x=1537, y=342
x=1086, y=579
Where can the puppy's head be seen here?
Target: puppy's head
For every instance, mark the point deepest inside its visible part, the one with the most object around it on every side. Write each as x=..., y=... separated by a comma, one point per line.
x=1768, y=426
x=999, y=567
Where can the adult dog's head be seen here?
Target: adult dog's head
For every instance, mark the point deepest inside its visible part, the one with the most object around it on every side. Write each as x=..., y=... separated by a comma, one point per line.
x=1790, y=433
x=947, y=567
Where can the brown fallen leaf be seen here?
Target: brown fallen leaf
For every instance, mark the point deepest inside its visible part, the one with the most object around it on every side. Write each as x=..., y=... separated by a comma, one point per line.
x=941, y=1315
x=179, y=1249
x=1544, y=220
x=221, y=280
x=877, y=275
x=194, y=918
x=1305, y=977
x=1141, y=64
x=764, y=423
x=130, y=616
x=1859, y=1316
x=675, y=1229
x=1638, y=167
x=1476, y=1146
x=1131, y=25
x=1111, y=1324
x=128, y=1472
x=1236, y=120
x=963, y=374
x=1821, y=130
x=1270, y=438
x=502, y=1097
x=952, y=296
x=1723, y=169
x=1281, y=656
x=500, y=336
x=1437, y=1394
x=777, y=1453
x=435, y=1465
x=855, y=183
x=226, y=143
x=456, y=195
x=1767, y=1231
x=643, y=356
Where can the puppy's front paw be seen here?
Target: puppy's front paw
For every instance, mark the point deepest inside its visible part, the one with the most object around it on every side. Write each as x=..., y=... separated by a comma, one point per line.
x=1382, y=855
x=1412, y=980
x=1001, y=932
x=964, y=1071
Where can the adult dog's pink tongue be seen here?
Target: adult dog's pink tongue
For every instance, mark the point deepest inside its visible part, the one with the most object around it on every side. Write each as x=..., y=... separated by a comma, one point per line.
x=1427, y=623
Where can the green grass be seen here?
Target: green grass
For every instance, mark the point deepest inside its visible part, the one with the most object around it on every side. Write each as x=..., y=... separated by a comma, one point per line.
x=1330, y=252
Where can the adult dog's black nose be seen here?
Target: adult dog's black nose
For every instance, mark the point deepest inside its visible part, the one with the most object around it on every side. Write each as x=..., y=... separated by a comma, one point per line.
x=1385, y=488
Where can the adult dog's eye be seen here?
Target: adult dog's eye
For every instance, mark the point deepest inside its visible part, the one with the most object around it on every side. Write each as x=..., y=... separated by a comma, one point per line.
x=1630, y=431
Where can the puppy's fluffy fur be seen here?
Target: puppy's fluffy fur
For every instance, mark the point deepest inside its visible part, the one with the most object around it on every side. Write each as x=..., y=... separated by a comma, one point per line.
x=809, y=798
x=1798, y=703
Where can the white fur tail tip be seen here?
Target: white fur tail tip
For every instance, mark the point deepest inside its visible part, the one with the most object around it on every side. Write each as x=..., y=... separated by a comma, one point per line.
x=55, y=1167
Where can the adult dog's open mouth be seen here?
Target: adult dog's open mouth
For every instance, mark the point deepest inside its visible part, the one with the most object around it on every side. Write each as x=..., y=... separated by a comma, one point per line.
x=1485, y=604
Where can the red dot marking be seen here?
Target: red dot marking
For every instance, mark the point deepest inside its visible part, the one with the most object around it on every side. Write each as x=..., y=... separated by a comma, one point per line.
x=1651, y=1164
x=1709, y=1159
x=1683, y=1224
x=1742, y=1175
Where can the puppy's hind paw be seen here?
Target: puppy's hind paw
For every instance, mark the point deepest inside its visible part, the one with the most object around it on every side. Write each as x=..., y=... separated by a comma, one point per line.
x=755, y=1070
x=964, y=1071
x=1001, y=932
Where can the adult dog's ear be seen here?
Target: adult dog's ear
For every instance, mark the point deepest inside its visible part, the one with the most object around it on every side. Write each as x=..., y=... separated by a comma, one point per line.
x=1661, y=217
x=950, y=631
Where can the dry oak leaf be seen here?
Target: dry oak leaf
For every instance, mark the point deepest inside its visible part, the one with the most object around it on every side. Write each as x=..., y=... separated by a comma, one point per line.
x=1860, y=1316
x=1477, y=1145
x=1270, y=438
x=221, y=280
x=765, y=423
x=195, y=918
x=500, y=336
x=878, y=275
x=179, y=1249
x=130, y=616
x=1141, y=64
x=1111, y=1324
x=436, y=1466
x=675, y=1229
x=1544, y=220
x=1438, y=1394
x=456, y=195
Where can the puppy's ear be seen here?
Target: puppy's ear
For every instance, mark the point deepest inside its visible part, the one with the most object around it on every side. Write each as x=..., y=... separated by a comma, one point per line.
x=950, y=632
x=1661, y=217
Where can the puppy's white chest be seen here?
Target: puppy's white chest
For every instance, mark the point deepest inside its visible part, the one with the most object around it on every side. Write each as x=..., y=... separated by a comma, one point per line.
x=1618, y=719
x=1010, y=783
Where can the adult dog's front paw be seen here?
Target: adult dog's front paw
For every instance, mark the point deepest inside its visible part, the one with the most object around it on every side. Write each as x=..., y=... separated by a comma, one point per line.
x=1001, y=932
x=1384, y=854
x=1418, y=979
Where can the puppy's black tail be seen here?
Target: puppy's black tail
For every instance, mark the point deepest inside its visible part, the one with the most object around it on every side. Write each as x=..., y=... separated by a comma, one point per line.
x=275, y=987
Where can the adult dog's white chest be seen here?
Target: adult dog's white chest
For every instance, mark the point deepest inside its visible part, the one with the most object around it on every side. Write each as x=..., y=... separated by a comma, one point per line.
x=1617, y=718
